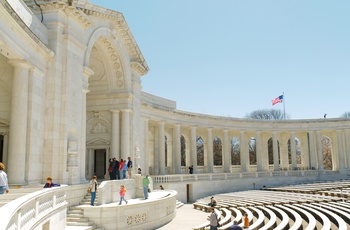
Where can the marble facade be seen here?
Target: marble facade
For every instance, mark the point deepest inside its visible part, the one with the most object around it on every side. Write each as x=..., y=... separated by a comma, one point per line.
x=71, y=98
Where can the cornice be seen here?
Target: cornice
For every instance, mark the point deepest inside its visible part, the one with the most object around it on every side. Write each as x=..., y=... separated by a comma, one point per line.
x=138, y=68
x=70, y=11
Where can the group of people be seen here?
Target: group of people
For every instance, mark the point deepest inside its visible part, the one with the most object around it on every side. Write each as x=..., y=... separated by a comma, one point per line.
x=117, y=169
x=214, y=222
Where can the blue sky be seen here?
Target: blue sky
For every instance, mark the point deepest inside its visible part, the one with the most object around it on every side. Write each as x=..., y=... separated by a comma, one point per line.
x=230, y=57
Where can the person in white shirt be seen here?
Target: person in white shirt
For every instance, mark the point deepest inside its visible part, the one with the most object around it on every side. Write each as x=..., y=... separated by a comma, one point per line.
x=4, y=186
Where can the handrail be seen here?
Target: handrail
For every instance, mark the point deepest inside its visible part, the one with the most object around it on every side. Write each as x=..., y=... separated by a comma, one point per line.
x=29, y=210
x=224, y=176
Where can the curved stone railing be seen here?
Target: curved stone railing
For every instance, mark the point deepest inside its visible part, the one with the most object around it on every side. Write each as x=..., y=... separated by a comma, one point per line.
x=32, y=210
x=227, y=176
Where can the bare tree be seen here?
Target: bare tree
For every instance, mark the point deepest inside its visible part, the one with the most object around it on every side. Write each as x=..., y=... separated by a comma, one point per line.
x=345, y=115
x=267, y=114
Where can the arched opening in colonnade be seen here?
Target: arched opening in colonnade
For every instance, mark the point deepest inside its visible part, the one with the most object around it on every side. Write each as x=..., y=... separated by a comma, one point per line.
x=327, y=153
x=270, y=151
x=235, y=151
x=200, y=151
x=217, y=151
x=297, y=151
x=183, y=150
x=252, y=151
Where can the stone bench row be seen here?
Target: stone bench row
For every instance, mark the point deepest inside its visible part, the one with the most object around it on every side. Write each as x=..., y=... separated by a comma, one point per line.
x=303, y=216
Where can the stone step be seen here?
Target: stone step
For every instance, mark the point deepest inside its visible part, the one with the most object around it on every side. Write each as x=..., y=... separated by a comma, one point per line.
x=75, y=216
x=75, y=208
x=75, y=211
x=77, y=219
x=88, y=223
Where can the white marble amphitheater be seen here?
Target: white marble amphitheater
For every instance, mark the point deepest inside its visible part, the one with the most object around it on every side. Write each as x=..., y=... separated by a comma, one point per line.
x=71, y=98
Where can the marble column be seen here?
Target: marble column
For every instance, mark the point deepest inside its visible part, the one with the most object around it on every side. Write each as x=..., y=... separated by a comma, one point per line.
x=226, y=153
x=194, y=149
x=293, y=151
x=115, y=141
x=312, y=150
x=210, y=168
x=341, y=154
x=244, y=152
x=347, y=141
x=161, y=149
x=145, y=166
x=259, y=152
x=177, y=148
x=18, y=123
x=5, y=148
x=125, y=137
x=319, y=151
x=276, y=165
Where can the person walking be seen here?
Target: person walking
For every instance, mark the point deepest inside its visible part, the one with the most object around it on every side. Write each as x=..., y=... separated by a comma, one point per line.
x=93, y=189
x=129, y=167
x=145, y=184
x=122, y=194
x=4, y=185
x=125, y=168
x=213, y=218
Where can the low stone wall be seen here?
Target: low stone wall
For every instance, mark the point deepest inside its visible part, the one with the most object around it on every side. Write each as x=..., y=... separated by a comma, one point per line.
x=195, y=186
x=108, y=191
x=149, y=214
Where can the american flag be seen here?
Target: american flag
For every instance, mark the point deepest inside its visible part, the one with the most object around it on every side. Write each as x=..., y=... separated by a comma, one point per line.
x=277, y=100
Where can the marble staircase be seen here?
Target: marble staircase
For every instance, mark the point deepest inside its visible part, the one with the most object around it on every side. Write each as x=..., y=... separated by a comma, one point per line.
x=76, y=219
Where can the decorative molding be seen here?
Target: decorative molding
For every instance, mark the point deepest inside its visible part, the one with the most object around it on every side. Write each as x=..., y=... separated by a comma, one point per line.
x=138, y=68
x=98, y=128
x=70, y=11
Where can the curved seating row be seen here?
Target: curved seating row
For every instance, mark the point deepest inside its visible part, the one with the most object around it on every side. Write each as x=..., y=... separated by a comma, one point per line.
x=275, y=209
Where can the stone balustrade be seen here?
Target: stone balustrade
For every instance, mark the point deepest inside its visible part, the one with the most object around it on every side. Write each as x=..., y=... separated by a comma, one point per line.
x=46, y=207
x=227, y=176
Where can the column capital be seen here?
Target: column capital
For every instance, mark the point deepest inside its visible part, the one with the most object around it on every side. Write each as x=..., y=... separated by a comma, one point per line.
x=18, y=63
x=225, y=130
x=126, y=110
x=194, y=127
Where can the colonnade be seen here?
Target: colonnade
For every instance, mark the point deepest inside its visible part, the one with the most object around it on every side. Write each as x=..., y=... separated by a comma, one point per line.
x=311, y=148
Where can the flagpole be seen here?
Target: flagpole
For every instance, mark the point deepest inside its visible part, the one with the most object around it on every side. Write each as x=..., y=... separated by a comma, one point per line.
x=284, y=107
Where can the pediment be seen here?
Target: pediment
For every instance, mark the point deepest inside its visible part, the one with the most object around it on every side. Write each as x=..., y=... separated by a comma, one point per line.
x=98, y=141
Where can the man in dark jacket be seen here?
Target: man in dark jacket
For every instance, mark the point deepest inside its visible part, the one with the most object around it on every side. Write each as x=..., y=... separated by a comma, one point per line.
x=111, y=169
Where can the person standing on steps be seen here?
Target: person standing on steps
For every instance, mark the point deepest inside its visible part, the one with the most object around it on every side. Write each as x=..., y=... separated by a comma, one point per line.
x=4, y=186
x=111, y=169
x=122, y=194
x=116, y=170
x=93, y=189
x=125, y=168
x=121, y=167
x=145, y=184
x=130, y=167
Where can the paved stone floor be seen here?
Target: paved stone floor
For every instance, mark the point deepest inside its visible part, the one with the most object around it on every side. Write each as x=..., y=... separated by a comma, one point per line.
x=186, y=218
